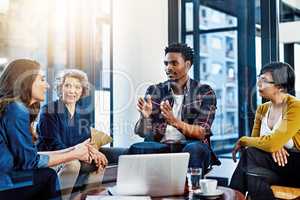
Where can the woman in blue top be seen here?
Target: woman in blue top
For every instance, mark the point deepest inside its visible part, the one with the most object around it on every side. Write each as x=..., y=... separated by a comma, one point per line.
x=64, y=123
x=22, y=88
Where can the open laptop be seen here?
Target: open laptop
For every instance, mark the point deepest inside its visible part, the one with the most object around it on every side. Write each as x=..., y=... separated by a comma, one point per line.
x=151, y=174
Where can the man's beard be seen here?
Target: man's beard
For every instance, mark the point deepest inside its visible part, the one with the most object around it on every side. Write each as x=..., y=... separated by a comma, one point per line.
x=173, y=82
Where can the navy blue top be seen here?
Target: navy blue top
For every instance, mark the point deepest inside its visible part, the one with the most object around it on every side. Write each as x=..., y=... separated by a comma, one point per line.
x=17, y=149
x=57, y=130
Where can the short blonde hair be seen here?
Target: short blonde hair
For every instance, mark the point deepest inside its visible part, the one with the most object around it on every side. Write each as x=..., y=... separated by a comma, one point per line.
x=74, y=73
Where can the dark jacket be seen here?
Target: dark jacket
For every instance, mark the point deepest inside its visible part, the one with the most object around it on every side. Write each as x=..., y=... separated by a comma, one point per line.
x=198, y=108
x=57, y=130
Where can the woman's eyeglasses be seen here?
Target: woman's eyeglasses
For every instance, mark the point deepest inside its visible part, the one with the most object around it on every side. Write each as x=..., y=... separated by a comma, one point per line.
x=263, y=80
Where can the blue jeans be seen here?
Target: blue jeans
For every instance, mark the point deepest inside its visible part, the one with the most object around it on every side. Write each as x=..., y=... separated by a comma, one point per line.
x=199, y=152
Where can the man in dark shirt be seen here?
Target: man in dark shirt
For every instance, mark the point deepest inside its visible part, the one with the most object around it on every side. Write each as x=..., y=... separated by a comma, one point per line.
x=179, y=110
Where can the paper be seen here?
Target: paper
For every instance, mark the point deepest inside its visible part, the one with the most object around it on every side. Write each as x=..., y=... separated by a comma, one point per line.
x=102, y=197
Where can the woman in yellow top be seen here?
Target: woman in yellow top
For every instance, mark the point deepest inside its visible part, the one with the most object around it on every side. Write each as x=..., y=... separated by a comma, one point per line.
x=274, y=144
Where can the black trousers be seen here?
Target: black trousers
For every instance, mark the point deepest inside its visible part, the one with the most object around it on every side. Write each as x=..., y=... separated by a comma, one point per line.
x=257, y=171
x=41, y=184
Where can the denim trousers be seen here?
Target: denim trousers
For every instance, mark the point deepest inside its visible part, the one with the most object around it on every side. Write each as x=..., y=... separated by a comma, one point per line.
x=199, y=152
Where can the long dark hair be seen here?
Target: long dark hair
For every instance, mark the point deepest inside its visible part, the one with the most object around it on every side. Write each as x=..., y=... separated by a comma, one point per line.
x=16, y=85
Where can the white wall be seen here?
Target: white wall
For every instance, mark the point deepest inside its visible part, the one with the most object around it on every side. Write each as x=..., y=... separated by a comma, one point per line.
x=288, y=32
x=140, y=30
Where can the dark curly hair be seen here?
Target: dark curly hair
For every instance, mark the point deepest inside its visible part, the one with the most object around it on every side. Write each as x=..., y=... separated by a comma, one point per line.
x=186, y=51
x=283, y=75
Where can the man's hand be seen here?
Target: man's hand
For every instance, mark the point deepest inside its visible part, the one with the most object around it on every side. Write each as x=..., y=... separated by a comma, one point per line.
x=236, y=149
x=280, y=157
x=166, y=111
x=145, y=107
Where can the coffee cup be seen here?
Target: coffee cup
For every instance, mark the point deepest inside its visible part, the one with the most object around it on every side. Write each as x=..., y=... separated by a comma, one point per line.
x=208, y=186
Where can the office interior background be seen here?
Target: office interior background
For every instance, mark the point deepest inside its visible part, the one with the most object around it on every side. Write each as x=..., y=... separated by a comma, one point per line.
x=120, y=45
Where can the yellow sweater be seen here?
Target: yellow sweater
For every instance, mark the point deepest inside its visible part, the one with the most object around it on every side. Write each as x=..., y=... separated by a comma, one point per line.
x=289, y=127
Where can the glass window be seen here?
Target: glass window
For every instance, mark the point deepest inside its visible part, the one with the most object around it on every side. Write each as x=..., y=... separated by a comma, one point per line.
x=203, y=44
x=289, y=10
x=104, y=7
x=203, y=17
x=204, y=71
x=212, y=19
x=102, y=46
x=189, y=40
x=191, y=72
x=218, y=94
x=203, y=65
x=219, y=69
x=216, y=17
x=230, y=97
x=61, y=34
x=230, y=71
x=216, y=42
x=4, y=6
x=216, y=68
x=229, y=47
x=218, y=63
x=189, y=16
x=230, y=123
x=203, y=13
x=258, y=64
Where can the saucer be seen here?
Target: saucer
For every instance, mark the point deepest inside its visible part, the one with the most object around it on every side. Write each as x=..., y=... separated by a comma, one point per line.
x=214, y=195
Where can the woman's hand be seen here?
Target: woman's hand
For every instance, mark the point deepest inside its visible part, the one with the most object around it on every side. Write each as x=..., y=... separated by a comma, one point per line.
x=98, y=157
x=81, y=151
x=236, y=149
x=280, y=157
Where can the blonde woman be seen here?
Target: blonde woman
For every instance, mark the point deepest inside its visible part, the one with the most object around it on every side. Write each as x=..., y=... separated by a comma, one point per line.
x=64, y=123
